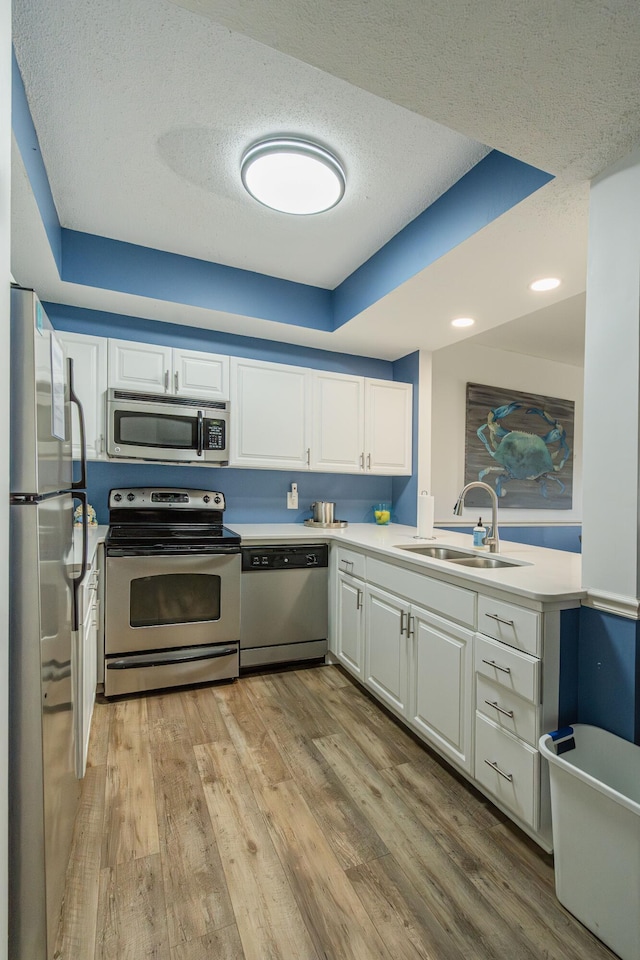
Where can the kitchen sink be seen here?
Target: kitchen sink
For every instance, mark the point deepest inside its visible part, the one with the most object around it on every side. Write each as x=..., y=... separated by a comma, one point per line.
x=462, y=558
x=483, y=563
x=436, y=553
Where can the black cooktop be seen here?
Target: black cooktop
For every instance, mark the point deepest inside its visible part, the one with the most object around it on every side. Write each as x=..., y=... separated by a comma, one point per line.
x=168, y=520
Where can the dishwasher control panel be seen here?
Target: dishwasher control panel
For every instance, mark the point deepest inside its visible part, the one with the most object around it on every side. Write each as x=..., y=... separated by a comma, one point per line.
x=285, y=557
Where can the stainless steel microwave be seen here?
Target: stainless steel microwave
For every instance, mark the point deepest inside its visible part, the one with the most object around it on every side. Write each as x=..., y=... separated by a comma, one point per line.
x=146, y=426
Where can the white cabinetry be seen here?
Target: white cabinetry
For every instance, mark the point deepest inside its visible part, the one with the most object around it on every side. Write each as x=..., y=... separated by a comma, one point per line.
x=347, y=635
x=270, y=422
x=152, y=368
x=516, y=661
x=418, y=660
x=87, y=659
x=89, y=355
x=360, y=425
x=440, y=707
x=388, y=426
x=337, y=442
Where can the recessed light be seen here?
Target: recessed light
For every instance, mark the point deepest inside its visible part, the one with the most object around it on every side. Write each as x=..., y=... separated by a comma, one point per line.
x=463, y=322
x=292, y=176
x=547, y=283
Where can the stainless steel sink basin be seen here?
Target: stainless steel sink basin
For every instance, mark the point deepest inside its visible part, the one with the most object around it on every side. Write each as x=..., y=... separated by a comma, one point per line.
x=461, y=558
x=437, y=553
x=483, y=563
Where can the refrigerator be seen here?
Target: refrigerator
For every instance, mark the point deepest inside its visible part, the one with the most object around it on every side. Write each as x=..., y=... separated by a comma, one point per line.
x=43, y=786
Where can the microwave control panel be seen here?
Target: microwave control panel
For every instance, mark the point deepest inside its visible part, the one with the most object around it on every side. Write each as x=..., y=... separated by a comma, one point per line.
x=214, y=435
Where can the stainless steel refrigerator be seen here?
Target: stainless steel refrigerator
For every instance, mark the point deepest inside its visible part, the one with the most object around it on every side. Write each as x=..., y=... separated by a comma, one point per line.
x=43, y=787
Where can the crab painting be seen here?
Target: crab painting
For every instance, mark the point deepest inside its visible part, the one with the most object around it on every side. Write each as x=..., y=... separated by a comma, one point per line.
x=523, y=455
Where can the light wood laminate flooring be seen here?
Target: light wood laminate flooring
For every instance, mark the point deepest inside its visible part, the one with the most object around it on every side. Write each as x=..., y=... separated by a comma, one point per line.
x=287, y=817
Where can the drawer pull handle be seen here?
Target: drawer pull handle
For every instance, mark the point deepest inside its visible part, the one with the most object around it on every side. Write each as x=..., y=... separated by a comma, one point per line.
x=494, y=616
x=494, y=704
x=492, y=663
x=348, y=566
x=494, y=766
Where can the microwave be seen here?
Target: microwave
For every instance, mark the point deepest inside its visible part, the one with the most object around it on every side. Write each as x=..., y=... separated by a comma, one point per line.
x=147, y=426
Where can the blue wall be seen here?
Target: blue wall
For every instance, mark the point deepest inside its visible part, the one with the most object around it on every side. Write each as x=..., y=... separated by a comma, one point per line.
x=566, y=537
x=405, y=489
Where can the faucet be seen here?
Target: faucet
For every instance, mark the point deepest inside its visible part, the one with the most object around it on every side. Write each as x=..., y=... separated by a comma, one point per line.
x=493, y=541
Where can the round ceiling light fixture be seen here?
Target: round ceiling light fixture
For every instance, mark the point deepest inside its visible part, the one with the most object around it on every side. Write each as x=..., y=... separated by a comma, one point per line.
x=547, y=283
x=292, y=176
x=463, y=322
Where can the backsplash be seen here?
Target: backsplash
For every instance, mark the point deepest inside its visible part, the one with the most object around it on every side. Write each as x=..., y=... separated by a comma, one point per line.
x=253, y=496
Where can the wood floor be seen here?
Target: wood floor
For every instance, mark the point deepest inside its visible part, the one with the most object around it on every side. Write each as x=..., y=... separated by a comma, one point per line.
x=286, y=817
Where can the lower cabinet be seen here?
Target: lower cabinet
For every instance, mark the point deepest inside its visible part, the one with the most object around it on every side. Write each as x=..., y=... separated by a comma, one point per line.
x=420, y=665
x=440, y=689
x=349, y=633
x=474, y=676
x=386, y=648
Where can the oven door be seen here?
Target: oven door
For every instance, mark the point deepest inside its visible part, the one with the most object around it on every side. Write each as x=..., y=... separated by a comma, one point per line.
x=168, y=602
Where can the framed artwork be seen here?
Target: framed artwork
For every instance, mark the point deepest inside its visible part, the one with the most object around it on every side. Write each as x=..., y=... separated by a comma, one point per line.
x=521, y=444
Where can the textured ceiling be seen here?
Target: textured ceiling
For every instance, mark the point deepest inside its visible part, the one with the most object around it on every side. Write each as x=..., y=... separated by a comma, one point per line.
x=143, y=112
x=143, y=109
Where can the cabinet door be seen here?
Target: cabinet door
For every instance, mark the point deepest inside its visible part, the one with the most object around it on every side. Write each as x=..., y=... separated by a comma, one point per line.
x=337, y=444
x=145, y=367
x=386, y=648
x=89, y=355
x=269, y=415
x=350, y=624
x=388, y=427
x=198, y=374
x=441, y=700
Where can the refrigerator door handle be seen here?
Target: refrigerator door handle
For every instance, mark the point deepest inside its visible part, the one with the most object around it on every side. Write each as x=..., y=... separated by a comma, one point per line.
x=76, y=581
x=73, y=396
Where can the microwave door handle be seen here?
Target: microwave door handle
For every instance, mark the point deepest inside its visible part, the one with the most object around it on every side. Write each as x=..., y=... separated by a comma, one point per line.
x=200, y=432
x=82, y=482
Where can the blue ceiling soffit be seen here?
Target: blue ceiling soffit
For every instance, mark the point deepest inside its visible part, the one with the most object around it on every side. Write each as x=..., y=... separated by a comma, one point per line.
x=493, y=186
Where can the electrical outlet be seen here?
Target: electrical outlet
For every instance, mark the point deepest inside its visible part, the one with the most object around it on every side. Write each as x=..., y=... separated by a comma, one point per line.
x=292, y=497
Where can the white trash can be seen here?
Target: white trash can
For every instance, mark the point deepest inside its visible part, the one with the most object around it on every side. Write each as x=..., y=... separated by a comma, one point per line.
x=595, y=812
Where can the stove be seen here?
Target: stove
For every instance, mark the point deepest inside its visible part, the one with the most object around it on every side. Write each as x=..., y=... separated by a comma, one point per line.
x=172, y=590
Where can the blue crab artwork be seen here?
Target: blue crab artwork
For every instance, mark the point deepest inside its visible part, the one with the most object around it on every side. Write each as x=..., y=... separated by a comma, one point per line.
x=522, y=455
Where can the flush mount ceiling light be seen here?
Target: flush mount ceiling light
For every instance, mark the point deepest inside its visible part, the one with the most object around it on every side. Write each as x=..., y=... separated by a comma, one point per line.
x=292, y=176
x=463, y=322
x=547, y=283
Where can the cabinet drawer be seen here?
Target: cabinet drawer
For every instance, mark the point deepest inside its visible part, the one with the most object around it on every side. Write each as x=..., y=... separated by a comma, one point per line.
x=508, y=769
x=511, y=624
x=507, y=668
x=507, y=710
x=453, y=603
x=348, y=561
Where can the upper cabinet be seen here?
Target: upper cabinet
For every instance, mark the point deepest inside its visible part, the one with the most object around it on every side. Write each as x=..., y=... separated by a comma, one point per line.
x=270, y=415
x=285, y=418
x=337, y=436
x=89, y=355
x=150, y=368
x=388, y=427
x=360, y=425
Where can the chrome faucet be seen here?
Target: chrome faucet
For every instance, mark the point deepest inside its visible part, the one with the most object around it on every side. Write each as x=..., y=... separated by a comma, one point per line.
x=493, y=541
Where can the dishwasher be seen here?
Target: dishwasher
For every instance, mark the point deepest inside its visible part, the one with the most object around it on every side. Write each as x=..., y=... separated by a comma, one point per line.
x=284, y=601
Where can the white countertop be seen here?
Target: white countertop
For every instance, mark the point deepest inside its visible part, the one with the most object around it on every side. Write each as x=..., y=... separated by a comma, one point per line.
x=546, y=576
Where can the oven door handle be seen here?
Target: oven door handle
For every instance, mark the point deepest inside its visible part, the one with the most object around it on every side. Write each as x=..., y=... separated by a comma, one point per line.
x=200, y=433
x=170, y=657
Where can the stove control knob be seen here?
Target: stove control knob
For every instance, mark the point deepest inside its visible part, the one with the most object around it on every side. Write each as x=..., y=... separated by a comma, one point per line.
x=217, y=498
x=131, y=496
x=206, y=498
x=117, y=497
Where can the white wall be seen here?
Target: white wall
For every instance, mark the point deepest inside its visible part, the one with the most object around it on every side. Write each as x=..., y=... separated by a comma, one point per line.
x=5, y=210
x=462, y=363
